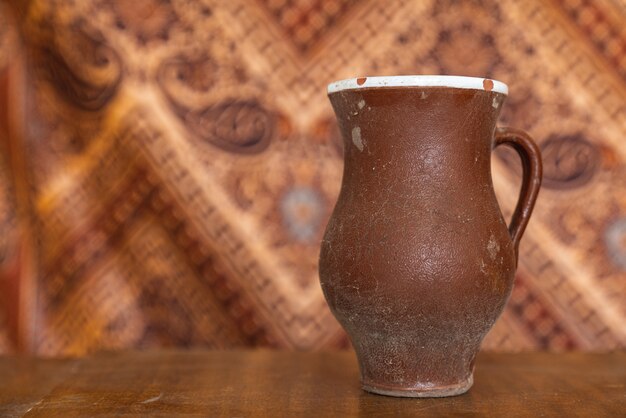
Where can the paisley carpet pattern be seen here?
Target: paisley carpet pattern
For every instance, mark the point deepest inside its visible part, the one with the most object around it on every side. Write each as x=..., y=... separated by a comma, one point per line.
x=168, y=166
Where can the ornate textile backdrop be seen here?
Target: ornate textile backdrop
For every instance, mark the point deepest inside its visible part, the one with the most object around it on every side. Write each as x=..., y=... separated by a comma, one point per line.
x=168, y=166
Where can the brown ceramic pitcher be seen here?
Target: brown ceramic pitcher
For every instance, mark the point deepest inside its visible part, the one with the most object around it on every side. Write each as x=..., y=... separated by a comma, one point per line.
x=417, y=262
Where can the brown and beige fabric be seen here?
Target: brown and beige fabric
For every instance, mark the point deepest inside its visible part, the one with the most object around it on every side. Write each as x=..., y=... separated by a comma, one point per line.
x=168, y=166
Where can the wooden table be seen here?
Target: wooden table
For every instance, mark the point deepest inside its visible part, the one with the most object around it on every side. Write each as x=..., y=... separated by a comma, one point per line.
x=275, y=384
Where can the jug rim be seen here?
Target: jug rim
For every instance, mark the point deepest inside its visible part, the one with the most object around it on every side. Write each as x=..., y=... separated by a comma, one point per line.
x=452, y=81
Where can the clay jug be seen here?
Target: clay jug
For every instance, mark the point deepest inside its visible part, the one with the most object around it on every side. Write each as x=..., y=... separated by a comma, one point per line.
x=417, y=262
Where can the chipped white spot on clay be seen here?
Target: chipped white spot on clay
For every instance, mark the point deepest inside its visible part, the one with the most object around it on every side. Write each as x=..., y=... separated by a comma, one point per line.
x=361, y=104
x=423, y=95
x=493, y=247
x=482, y=267
x=496, y=102
x=153, y=399
x=356, y=138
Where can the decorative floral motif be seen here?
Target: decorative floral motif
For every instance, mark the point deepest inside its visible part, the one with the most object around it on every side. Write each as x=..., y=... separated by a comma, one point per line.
x=233, y=125
x=568, y=161
x=197, y=74
x=466, y=45
x=88, y=73
x=147, y=19
x=466, y=51
x=302, y=211
x=615, y=238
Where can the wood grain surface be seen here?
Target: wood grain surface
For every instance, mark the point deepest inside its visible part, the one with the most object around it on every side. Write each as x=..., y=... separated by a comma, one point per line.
x=274, y=384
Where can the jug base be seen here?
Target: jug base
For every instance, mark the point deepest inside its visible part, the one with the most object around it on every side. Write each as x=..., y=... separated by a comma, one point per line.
x=420, y=392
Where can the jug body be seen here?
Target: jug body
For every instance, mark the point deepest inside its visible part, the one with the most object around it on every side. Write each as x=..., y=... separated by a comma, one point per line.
x=417, y=262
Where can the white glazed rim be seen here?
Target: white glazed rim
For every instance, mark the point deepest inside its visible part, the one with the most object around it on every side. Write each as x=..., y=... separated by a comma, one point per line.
x=453, y=81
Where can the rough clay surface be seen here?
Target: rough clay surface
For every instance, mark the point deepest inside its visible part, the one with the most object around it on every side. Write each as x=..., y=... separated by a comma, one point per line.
x=417, y=262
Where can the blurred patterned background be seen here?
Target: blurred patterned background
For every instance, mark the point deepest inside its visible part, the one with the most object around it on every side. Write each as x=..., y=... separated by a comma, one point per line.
x=167, y=167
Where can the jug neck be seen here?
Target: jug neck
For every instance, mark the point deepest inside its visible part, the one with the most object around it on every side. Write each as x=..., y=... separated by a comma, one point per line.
x=445, y=133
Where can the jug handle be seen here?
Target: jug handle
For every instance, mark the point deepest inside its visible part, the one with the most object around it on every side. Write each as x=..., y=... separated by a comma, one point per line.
x=530, y=155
